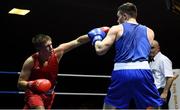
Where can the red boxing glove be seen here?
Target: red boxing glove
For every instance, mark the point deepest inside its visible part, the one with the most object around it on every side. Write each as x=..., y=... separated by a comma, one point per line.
x=105, y=29
x=39, y=85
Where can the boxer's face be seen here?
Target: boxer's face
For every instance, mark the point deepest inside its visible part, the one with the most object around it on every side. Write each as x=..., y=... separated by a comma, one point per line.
x=46, y=49
x=121, y=17
x=48, y=46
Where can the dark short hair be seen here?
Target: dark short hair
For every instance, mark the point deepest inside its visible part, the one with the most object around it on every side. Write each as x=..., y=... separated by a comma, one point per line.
x=128, y=8
x=39, y=39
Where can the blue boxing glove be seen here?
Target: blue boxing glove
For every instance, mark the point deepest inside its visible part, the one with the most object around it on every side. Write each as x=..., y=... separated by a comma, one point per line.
x=97, y=34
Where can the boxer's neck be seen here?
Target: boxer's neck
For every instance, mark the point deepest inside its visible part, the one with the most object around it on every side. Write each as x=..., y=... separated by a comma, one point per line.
x=132, y=20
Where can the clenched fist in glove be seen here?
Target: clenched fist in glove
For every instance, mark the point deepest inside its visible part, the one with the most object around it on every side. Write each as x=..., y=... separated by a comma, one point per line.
x=98, y=34
x=39, y=85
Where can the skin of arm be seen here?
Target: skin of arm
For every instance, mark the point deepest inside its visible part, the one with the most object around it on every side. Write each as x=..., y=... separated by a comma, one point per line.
x=25, y=73
x=167, y=65
x=150, y=34
x=66, y=47
x=169, y=81
x=103, y=46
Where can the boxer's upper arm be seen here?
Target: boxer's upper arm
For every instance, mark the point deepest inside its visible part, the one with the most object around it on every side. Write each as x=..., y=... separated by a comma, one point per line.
x=150, y=35
x=25, y=72
x=104, y=46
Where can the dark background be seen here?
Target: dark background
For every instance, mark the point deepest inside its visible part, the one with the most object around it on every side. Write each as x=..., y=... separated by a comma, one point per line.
x=65, y=20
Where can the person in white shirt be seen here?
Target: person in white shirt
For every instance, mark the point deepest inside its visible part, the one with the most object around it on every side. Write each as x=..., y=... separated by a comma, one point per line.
x=162, y=71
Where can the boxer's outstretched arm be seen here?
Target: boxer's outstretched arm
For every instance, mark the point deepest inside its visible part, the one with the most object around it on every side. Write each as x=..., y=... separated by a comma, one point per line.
x=66, y=47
